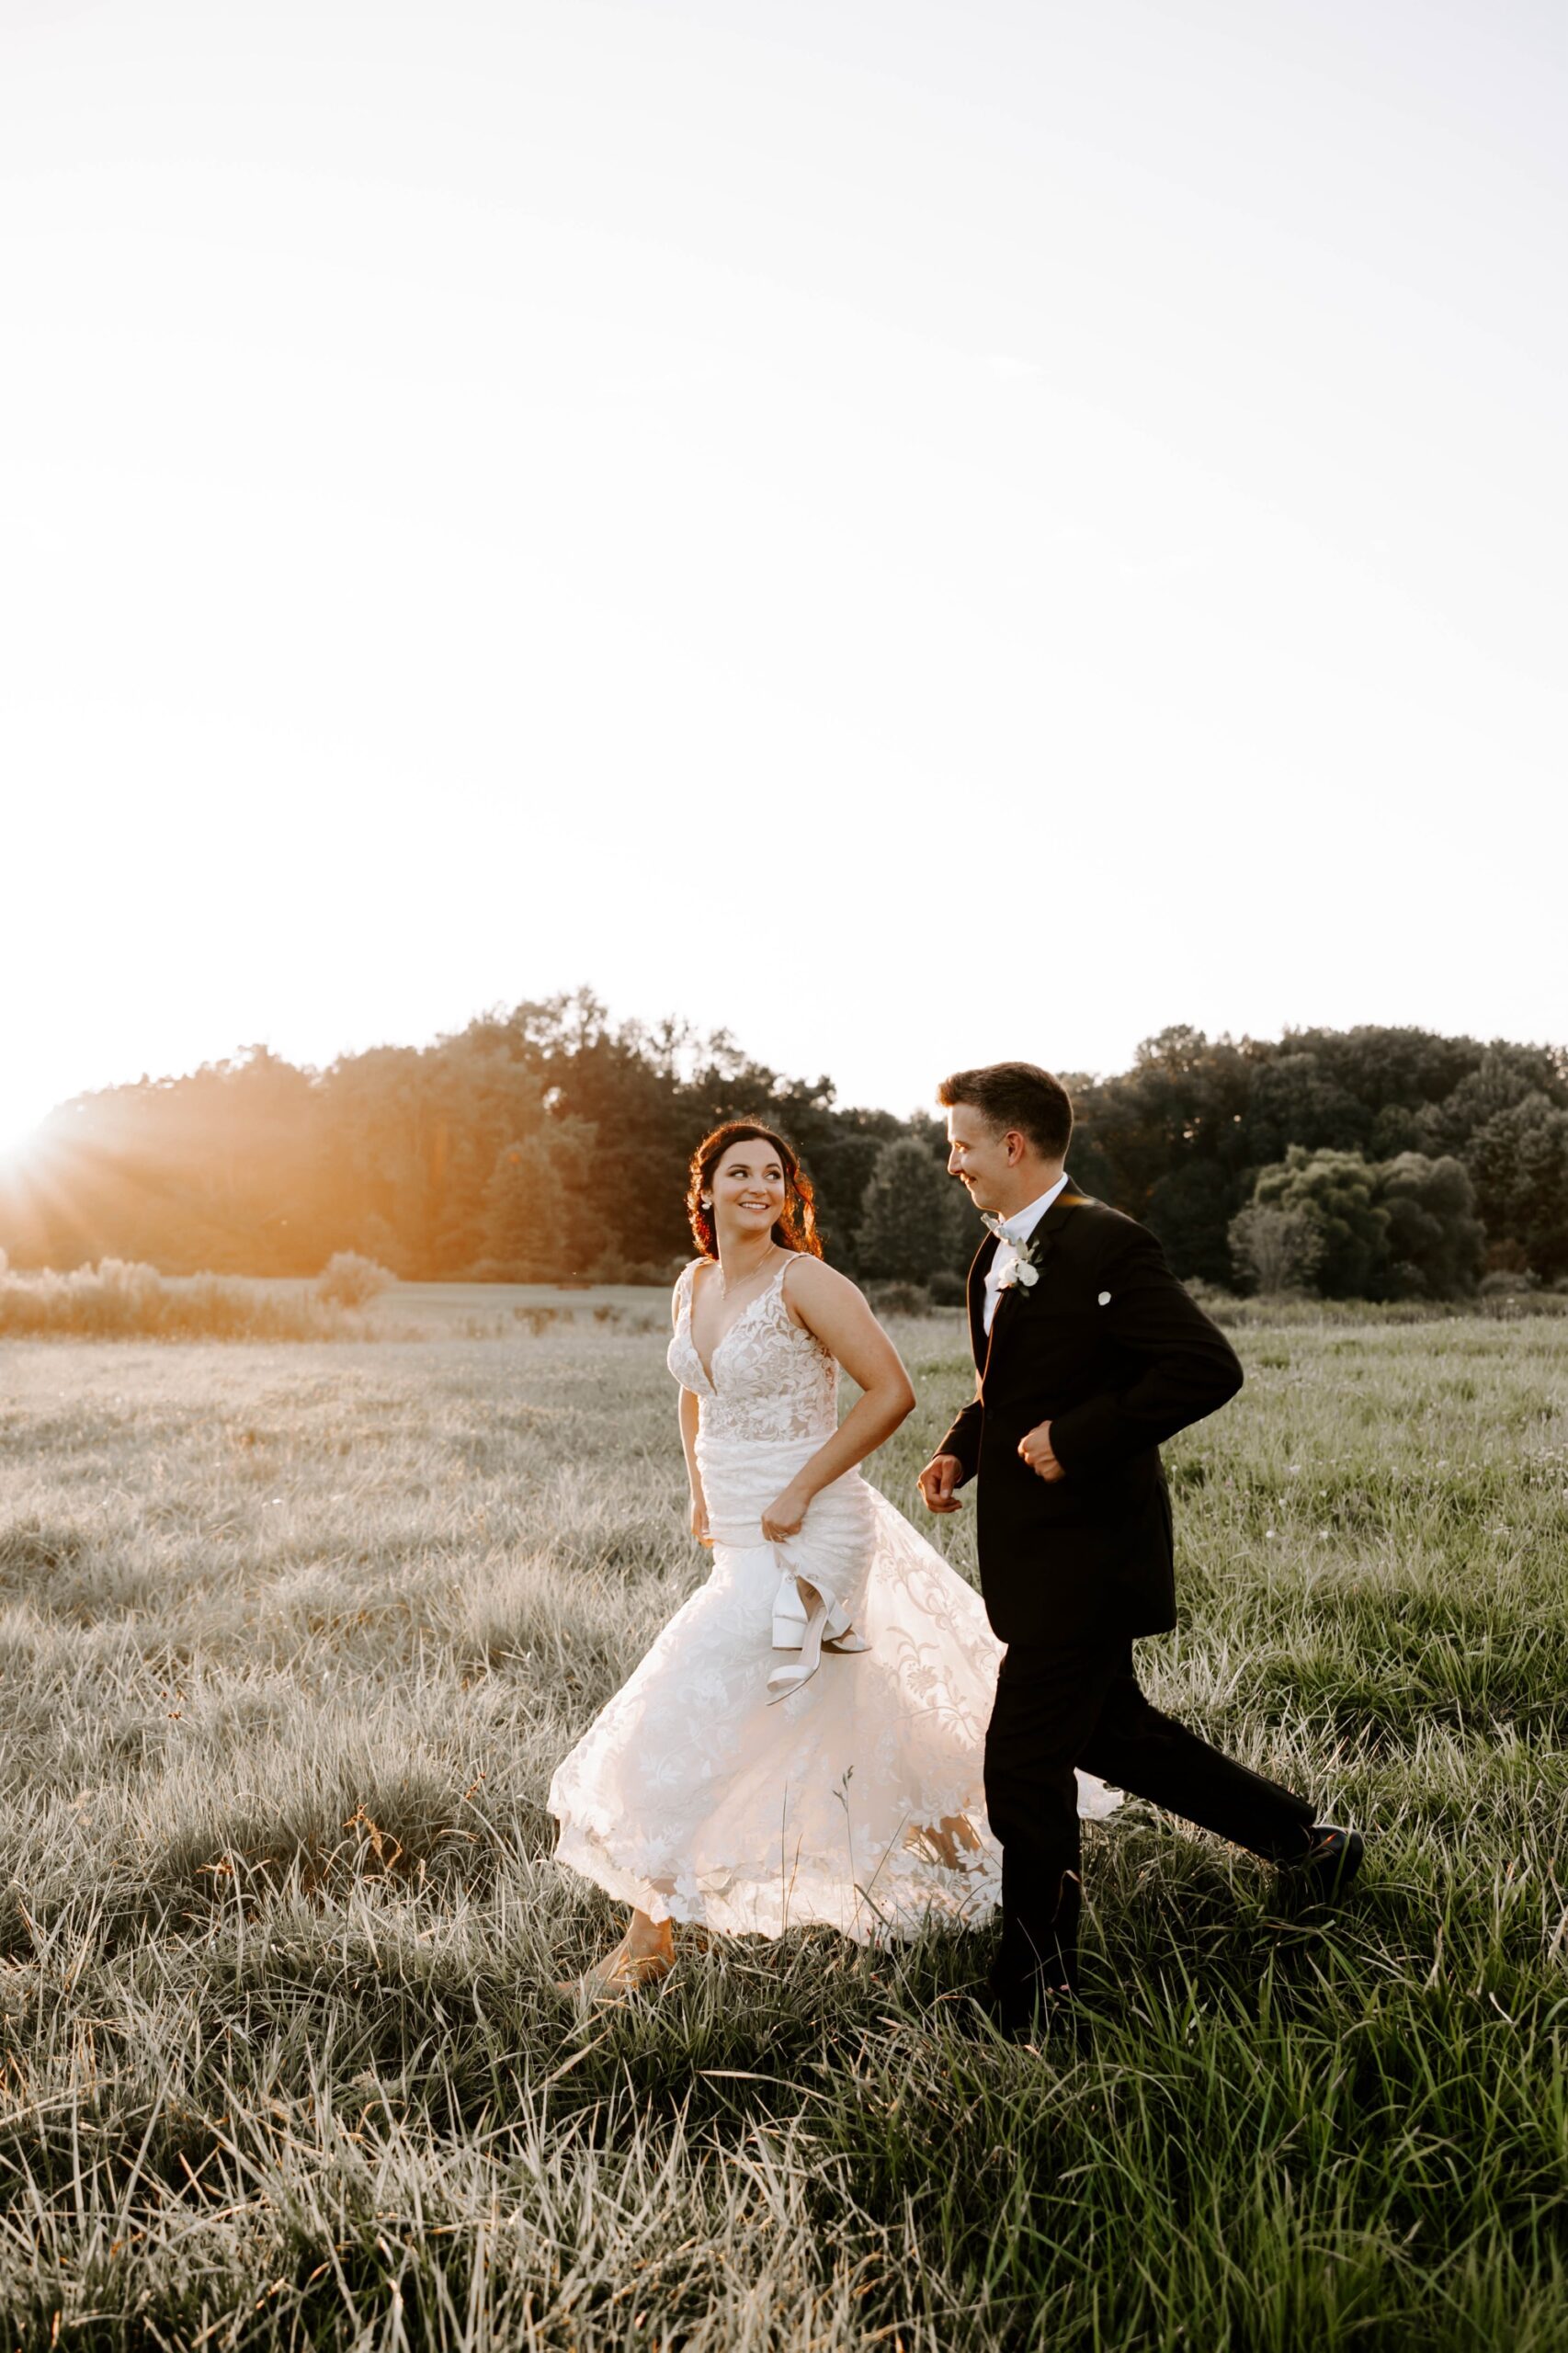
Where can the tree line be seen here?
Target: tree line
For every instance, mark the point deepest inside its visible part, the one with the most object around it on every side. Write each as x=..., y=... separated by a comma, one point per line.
x=549, y=1143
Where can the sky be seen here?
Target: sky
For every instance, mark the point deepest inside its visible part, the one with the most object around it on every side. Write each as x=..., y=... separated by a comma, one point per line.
x=913, y=532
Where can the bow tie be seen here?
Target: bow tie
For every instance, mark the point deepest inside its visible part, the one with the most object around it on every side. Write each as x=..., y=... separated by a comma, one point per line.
x=998, y=1226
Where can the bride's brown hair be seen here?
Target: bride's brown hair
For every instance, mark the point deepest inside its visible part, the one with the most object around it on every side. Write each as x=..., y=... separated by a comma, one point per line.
x=796, y=1230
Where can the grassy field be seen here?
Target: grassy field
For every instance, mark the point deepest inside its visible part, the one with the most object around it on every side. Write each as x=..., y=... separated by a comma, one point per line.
x=292, y=1637
x=446, y=1306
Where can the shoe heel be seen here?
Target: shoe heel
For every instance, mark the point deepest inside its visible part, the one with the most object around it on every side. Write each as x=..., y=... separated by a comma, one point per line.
x=789, y=1615
x=785, y=1679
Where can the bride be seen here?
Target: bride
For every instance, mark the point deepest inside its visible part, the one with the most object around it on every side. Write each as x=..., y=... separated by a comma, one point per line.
x=804, y=1740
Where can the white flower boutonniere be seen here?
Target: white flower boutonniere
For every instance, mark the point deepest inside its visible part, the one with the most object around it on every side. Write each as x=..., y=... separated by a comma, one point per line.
x=1023, y=1274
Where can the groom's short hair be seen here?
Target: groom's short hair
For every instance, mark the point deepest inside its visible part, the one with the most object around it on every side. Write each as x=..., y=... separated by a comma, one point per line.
x=1016, y=1095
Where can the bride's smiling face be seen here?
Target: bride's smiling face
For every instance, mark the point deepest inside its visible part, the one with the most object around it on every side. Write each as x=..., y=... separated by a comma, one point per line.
x=748, y=1191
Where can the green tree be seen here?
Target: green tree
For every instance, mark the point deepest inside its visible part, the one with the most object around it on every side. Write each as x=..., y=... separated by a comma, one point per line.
x=1381, y=1068
x=524, y=1204
x=1434, y=1242
x=1335, y=1190
x=905, y=1231
x=1520, y=1164
x=1275, y=1250
x=1190, y=1209
x=1167, y=1141
x=541, y=1219
x=1296, y=1101
x=1495, y=1084
x=257, y=1166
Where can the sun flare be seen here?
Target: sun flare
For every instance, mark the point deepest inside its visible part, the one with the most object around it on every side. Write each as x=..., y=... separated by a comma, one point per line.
x=18, y=1136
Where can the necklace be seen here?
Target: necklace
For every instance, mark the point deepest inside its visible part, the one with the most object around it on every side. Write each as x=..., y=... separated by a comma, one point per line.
x=725, y=1288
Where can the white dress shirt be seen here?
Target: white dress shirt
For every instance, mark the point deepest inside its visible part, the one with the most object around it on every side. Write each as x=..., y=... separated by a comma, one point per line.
x=1013, y=1229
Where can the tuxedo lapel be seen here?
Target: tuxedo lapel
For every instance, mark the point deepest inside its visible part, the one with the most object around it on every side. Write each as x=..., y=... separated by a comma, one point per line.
x=1015, y=1303
x=1048, y=1232
x=978, y=1336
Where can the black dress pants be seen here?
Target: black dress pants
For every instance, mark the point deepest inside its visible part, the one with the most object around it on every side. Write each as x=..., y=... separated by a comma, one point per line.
x=1063, y=1704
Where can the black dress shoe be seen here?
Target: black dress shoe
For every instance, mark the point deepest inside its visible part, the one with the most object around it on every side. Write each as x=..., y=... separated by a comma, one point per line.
x=1329, y=1865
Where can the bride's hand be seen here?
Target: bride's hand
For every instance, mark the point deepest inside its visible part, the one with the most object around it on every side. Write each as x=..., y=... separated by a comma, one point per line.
x=784, y=1515
x=699, y=1520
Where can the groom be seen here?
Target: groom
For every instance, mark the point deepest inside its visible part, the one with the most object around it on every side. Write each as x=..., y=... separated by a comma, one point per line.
x=1088, y=1354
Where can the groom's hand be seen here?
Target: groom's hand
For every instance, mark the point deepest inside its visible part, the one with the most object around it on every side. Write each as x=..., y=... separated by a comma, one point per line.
x=936, y=1483
x=1035, y=1447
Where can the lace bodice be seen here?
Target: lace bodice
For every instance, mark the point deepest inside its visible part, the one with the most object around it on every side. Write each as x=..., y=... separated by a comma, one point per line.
x=772, y=1379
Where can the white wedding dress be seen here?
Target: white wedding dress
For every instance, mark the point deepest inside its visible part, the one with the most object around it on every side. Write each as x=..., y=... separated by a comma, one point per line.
x=693, y=1797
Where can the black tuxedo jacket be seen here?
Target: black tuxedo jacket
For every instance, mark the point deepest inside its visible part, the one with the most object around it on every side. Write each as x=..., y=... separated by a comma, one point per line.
x=1110, y=1349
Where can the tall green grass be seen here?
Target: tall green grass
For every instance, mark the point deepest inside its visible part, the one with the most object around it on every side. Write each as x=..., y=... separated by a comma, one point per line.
x=291, y=1639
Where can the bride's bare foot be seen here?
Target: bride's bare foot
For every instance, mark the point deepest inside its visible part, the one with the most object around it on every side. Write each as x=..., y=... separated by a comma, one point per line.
x=645, y=1953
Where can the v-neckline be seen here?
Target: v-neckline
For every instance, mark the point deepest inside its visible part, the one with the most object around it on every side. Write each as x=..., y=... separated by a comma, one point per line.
x=729, y=1328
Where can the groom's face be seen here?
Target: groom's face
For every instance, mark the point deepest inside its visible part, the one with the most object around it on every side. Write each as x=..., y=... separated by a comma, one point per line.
x=984, y=1158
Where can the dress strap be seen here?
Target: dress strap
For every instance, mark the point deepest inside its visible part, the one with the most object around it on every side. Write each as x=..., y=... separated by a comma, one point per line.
x=779, y=1279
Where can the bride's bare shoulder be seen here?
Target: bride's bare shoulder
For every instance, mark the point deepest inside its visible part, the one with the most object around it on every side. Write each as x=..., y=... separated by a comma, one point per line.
x=812, y=1285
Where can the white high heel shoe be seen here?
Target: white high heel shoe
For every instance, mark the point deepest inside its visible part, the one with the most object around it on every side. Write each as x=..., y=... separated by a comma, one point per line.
x=814, y=1640
x=790, y=1621
x=785, y=1679
x=789, y=1615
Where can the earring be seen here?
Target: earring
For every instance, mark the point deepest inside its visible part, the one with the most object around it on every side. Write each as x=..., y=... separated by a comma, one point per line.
x=705, y=1200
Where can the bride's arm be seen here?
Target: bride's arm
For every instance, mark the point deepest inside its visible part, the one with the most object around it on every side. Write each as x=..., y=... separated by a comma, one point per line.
x=829, y=1305
x=689, y=1411
x=689, y=1441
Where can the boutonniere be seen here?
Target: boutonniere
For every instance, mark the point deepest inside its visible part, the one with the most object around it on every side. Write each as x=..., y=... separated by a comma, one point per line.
x=1023, y=1274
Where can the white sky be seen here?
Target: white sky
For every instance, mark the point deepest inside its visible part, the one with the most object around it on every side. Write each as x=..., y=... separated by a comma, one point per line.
x=915, y=531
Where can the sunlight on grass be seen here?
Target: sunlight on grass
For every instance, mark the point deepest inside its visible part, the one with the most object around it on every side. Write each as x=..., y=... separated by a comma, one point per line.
x=292, y=1636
